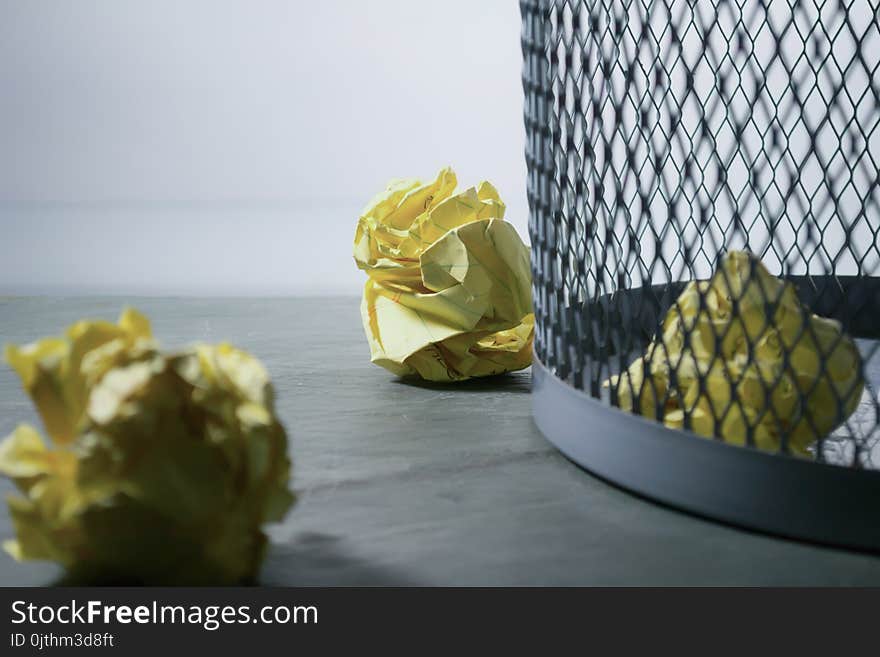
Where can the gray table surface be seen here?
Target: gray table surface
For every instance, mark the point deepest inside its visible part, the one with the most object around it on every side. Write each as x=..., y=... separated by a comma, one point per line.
x=404, y=484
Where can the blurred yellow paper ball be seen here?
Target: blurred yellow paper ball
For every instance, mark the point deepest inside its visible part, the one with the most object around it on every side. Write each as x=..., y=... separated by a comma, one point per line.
x=159, y=469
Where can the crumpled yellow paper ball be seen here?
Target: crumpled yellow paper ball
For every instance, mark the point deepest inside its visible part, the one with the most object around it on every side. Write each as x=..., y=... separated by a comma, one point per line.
x=159, y=468
x=738, y=352
x=448, y=294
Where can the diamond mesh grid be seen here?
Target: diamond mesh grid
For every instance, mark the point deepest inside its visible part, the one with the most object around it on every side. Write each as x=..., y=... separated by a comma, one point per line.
x=662, y=135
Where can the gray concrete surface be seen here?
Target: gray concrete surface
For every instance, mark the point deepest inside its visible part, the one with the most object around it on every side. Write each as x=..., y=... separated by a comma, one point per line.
x=427, y=484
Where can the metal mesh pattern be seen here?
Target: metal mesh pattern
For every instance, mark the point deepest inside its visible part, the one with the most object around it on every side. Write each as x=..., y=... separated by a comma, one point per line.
x=662, y=135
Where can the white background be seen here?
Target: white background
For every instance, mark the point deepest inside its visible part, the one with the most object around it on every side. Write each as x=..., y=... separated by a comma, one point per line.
x=227, y=147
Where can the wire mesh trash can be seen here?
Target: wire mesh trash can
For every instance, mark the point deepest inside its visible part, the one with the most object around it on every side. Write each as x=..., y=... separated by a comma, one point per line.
x=667, y=141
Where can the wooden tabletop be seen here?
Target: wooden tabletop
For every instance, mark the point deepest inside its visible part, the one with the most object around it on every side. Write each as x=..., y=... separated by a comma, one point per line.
x=403, y=483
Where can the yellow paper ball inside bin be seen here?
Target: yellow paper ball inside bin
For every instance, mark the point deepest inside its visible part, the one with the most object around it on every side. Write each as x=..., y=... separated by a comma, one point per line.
x=739, y=357
x=160, y=468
